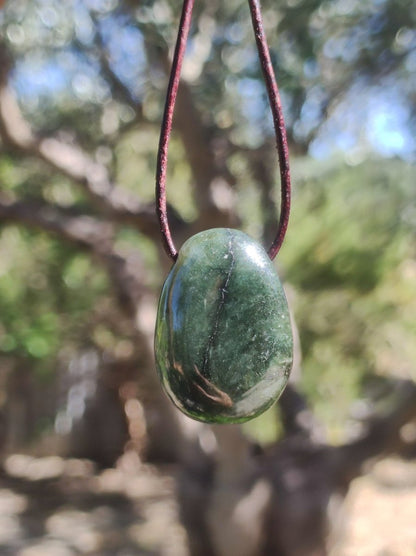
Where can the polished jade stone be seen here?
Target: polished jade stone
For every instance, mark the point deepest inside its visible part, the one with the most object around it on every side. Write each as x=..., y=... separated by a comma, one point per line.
x=223, y=340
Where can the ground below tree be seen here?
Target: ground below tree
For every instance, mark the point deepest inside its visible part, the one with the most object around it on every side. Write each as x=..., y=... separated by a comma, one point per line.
x=65, y=507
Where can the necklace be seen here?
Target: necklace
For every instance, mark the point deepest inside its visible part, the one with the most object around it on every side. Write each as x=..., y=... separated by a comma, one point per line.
x=223, y=339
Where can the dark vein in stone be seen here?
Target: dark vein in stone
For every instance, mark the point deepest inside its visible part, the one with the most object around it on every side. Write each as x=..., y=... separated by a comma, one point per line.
x=223, y=293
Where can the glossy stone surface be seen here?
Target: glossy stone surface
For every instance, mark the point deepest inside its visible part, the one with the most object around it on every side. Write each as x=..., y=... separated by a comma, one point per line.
x=223, y=338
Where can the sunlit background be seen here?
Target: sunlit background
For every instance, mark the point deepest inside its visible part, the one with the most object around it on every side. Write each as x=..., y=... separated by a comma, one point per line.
x=81, y=98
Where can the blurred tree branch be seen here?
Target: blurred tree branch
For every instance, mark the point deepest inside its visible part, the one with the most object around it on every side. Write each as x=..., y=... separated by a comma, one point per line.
x=126, y=272
x=87, y=232
x=196, y=137
x=383, y=432
x=74, y=163
x=120, y=90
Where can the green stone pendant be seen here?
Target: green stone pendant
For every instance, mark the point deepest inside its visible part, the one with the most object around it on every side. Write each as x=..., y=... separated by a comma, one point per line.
x=223, y=335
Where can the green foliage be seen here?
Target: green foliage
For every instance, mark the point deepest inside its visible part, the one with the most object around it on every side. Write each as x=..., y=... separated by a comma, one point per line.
x=91, y=73
x=135, y=157
x=47, y=294
x=321, y=49
x=350, y=256
x=349, y=231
